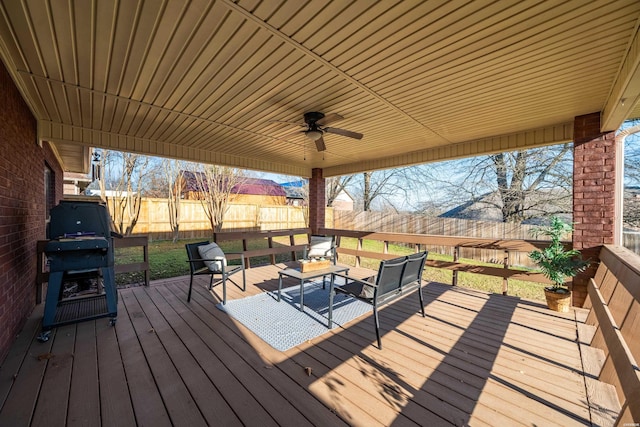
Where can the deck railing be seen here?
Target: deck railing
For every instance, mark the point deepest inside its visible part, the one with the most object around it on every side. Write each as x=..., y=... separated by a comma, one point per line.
x=506, y=247
x=271, y=249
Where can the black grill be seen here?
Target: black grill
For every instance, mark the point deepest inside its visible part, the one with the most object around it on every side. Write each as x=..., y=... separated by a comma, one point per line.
x=80, y=255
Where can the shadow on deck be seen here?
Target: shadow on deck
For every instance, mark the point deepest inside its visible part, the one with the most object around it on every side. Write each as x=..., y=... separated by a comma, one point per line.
x=477, y=359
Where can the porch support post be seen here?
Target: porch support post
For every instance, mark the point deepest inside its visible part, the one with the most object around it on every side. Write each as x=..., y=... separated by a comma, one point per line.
x=594, y=188
x=317, y=200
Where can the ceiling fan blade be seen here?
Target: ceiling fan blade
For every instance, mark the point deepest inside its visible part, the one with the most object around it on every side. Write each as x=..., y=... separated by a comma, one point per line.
x=344, y=132
x=333, y=117
x=320, y=144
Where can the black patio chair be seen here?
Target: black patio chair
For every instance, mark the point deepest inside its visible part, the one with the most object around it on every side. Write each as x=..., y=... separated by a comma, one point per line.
x=213, y=262
x=396, y=277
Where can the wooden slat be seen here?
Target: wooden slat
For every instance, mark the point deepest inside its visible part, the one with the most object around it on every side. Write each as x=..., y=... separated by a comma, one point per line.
x=115, y=400
x=145, y=397
x=179, y=403
x=54, y=394
x=19, y=405
x=84, y=395
x=12, y=363
x=621, y=368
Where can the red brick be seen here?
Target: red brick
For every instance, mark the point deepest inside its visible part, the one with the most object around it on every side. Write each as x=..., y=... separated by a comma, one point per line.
x=22, y=215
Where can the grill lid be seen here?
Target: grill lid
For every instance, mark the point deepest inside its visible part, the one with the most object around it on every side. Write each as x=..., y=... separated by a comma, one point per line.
x=79, y=219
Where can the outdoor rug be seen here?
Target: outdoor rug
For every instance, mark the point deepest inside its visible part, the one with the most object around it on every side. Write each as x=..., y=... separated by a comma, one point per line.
x=282, y=325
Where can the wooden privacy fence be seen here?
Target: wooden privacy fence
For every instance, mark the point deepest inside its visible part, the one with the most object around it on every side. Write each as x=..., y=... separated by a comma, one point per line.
x=423, y=224
x=154, y=219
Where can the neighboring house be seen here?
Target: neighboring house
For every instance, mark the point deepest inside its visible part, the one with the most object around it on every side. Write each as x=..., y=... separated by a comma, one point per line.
x=343, y=202
x=297, y=192
x=486, y=208
x=252, y=191
x=75, y=183
x=93, y=189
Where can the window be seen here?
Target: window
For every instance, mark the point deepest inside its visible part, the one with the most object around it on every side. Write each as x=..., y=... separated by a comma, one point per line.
x=49, y=191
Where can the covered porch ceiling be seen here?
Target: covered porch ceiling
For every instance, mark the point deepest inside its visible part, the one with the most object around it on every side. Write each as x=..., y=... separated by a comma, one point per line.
x=424, y=81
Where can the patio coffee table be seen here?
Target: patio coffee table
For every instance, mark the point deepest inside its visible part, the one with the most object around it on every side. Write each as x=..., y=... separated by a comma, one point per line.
x=303, y=277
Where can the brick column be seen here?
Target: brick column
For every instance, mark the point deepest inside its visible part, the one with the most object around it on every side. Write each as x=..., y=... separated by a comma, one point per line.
x=594, y=181
x=317, y=200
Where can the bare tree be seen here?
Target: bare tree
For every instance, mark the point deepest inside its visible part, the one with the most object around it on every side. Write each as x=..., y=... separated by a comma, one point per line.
x=156, y=180
x=173, y=172
x=121, y=183
x=630, y=135
x=383, y=187
x=521, y=184
x=335, y=185
x=216, y=184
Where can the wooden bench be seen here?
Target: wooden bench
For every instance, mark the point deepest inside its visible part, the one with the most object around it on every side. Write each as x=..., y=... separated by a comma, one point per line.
x=610, y=338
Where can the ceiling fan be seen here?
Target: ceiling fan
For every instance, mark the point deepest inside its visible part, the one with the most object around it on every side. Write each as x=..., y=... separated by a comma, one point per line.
x=315, y=124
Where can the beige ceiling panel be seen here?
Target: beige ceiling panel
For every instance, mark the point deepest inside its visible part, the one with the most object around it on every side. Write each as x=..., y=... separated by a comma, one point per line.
x=423, y=81
x=61, y=135
x=552, y=135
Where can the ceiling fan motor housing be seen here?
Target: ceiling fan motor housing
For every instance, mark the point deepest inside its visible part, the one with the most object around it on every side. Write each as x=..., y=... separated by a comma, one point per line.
x=312, y=117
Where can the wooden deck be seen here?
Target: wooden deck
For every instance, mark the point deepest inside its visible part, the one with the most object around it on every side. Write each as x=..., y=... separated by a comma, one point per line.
x=476, y=359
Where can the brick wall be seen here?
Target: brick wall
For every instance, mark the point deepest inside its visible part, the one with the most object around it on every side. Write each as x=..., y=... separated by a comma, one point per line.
x=22, y=208
x=317, y=200
x=593, y=194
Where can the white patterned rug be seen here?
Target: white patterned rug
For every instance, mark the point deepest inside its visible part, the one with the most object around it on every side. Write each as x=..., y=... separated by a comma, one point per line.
x=282, y=325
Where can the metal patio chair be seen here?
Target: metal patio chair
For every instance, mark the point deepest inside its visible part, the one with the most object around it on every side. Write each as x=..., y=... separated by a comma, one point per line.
x=214, y=262
x=396, y=277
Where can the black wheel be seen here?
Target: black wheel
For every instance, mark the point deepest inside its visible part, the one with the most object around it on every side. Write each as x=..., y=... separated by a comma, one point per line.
x=44, y=336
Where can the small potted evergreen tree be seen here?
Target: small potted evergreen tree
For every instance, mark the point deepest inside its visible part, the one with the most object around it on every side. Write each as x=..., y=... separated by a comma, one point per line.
x=557, y=263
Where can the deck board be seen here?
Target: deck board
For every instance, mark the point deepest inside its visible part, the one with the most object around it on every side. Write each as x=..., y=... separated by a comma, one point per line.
x=475, y=359
x=114, y=410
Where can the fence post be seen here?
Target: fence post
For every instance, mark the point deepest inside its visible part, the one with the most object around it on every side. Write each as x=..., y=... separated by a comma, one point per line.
x=292, y=241
x=456, y=255
x=272, y=257
x=505, y=280
x=247, y=260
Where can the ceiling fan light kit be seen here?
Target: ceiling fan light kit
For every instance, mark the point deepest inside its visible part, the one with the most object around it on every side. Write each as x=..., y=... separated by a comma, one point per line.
x=313, y=134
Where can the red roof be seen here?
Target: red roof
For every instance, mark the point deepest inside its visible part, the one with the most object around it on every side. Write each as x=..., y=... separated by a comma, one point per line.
x=253, y=186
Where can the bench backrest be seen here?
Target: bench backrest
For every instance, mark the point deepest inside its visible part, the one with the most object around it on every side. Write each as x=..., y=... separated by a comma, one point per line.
x=614, y=299
x=398, y=273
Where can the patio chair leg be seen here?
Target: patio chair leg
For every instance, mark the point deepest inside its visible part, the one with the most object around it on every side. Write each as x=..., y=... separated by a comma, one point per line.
x=377, y=322
x=190, y=287
x=211, y=281
x=421, y=300
x=224, y=289
x=331, y=294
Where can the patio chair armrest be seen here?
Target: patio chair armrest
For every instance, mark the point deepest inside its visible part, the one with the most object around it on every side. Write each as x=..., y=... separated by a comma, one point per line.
x=205, y=259
x=351, y=279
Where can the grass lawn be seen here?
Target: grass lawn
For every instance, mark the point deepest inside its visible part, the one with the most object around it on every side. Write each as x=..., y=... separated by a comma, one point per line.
x=168, y=259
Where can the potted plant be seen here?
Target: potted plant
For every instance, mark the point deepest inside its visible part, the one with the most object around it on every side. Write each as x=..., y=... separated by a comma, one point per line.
x=557, y=263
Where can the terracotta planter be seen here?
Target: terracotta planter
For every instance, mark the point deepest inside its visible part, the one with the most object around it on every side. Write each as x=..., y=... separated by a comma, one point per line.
x=560, y=302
